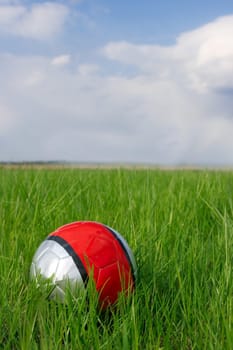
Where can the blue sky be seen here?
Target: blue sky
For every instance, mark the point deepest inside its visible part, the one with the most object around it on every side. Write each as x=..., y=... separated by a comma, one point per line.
x=92, y=23
x=151, y=20
x=114, y=81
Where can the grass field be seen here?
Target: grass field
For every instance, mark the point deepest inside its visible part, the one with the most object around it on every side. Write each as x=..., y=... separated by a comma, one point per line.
x=179, y=225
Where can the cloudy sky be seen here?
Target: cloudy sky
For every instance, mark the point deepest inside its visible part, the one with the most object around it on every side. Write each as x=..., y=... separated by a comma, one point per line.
x=117, y=81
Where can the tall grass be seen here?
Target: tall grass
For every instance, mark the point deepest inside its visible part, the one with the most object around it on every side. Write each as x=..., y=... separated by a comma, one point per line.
x=179, y=225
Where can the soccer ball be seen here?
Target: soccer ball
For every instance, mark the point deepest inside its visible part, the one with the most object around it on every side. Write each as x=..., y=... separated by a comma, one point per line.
x=81, y=250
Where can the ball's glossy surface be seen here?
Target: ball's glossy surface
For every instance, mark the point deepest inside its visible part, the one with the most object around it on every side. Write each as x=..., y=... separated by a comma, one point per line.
x=76, y=251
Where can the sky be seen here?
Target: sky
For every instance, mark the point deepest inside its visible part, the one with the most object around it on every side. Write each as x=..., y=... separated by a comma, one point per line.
x=117, y=81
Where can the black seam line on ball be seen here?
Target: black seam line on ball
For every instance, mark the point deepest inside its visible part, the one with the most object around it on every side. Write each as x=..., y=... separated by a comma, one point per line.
x=74, y=256
x=125, y=251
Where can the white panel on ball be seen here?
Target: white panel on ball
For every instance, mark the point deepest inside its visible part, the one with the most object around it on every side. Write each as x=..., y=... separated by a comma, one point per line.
x=52, y=261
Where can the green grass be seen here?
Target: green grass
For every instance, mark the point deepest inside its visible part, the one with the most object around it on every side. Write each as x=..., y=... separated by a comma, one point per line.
x=179, y=225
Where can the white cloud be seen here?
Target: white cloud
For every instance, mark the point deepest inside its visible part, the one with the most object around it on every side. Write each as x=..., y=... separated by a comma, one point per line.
x=202, y=58
x=172, y=109
x=39, y=21
x=10, y=14
x=34, y=78
x=88, y=69
x=61, y=60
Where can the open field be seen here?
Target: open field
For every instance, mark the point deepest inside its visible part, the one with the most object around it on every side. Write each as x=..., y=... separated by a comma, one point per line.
x=179, y=225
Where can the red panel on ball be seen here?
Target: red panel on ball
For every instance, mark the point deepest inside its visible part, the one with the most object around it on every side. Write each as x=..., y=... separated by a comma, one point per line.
x=101, y=253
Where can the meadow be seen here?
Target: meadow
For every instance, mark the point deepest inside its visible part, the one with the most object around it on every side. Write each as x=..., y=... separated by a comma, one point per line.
x=179, y=224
